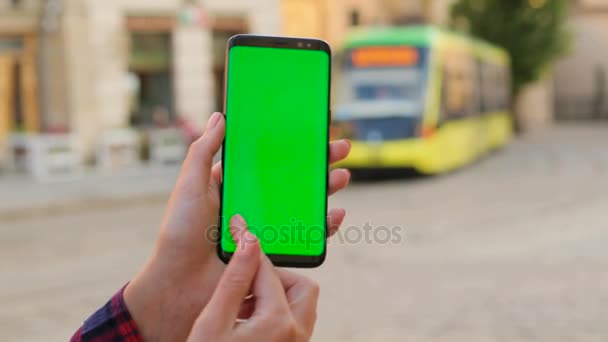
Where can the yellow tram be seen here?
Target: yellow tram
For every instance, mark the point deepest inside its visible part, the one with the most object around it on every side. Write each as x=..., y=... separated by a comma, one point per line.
x=421, y=98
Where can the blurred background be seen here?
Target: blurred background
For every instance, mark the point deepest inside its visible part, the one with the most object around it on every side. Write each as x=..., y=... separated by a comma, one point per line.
x=479, y=127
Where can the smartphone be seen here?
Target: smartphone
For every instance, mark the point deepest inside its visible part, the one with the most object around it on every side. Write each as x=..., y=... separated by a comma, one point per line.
x=275, y=154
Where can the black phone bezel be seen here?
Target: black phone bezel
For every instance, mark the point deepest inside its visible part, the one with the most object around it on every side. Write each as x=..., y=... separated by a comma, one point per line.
x=280, y=260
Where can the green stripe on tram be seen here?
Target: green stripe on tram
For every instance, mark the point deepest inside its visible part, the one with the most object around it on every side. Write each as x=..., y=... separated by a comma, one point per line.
x=373, y=36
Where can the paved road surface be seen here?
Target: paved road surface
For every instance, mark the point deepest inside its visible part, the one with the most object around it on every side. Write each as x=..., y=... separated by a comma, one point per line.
x=512, y=248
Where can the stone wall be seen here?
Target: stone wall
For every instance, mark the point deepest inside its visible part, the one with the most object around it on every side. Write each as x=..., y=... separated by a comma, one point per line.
x=577, y=74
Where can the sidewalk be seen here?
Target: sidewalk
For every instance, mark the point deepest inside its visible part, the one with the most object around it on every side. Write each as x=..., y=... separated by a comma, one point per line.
x=21, y=196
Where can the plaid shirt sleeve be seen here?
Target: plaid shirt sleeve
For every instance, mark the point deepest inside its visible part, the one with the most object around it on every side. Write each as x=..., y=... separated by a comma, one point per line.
x=111, y=323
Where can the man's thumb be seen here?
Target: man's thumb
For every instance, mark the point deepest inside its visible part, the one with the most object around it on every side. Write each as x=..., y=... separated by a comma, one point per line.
x=196, y=171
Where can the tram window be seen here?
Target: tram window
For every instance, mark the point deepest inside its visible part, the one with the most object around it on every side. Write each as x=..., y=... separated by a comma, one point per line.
x=495, y=88
x=504, y=96
x=487, y=85
x=458, y=86
x=373, y=92
x=478, y=91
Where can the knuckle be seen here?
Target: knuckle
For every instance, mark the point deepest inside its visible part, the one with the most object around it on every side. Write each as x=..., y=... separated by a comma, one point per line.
x=195, y=146
x=312, y=288
x=291, y=333
x=200, y=147
x=236, y=280
x=289, y=329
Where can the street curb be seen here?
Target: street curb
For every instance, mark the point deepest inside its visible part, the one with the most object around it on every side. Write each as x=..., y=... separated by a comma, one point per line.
x=82, y=205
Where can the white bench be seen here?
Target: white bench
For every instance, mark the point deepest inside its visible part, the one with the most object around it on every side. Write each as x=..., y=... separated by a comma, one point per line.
x=167, y=146
x=117, y=150
x=47, y=157
x=53, y=158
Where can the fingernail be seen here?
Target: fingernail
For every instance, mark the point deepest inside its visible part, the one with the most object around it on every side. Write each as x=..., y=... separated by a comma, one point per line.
x=237, y=226
x=213, y=120
x=239, y=221
x=240, y=233
x=348, y=142
x=247, y=242
x=346, y=171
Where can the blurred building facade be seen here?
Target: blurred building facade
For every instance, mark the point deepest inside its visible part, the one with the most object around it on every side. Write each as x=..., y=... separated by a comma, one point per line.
x=586, y=66
x=330, y=20
x=89, y=66
x=151, y=57
x=86, y=67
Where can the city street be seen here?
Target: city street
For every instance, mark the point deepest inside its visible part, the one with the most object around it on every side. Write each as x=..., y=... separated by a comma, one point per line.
x=512, y=248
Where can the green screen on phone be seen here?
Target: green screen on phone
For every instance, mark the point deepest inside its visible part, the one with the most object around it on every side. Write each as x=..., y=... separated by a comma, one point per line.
x=275, y=153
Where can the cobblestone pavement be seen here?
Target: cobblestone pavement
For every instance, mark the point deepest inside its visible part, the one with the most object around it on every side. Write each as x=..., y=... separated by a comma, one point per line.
x=512, y=248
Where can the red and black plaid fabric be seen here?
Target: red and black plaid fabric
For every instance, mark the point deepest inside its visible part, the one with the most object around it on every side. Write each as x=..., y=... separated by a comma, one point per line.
x=111, y=323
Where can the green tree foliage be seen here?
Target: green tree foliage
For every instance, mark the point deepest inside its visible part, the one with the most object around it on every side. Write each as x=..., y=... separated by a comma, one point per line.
x=533, y=31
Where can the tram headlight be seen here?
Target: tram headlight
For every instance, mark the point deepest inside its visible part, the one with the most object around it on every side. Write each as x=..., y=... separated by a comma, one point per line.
x=425, y=131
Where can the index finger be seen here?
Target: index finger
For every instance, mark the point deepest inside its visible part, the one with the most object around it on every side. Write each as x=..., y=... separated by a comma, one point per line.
x=196, y=169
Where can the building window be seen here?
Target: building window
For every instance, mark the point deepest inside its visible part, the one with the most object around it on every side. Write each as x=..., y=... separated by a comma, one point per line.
x=355, y=18
x=150, y=61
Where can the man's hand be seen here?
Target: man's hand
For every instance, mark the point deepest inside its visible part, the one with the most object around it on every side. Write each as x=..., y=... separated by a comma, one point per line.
x=282, y=305
x=179, y=278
